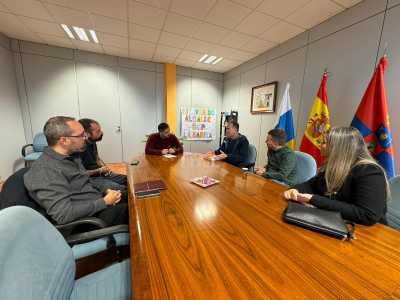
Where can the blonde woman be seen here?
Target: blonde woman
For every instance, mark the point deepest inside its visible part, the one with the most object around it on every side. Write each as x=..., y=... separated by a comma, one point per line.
x=351, y=182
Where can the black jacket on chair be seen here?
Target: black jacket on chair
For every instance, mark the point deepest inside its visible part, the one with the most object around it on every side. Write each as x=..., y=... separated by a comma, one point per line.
x=15, y=193
x=361, y=199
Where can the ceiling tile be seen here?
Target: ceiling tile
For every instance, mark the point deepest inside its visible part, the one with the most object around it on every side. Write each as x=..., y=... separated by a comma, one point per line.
x=248, y=3
x=225, y=65
x=63, y=15
x=43, y=26
x=167, y=51
x=115, y=51
x=3, y=8
x=202, y=66
x=235, y=39
x=163, y=4
x=146, y=15
x=281, y=8
x=112, y=40
x=28, y=8
x=87, y=46
x=59, y=2
x=163, y=58
x=190, y=55
x=256, y=23
x=314, y=13
x=143, y=55
x=227, y=14
x=56, y=40
x=199, y=46
x=192, y=8
x=13, y=27
x=210, y=33
x=232, y=54
x=108, y=25
x=257, y=46
x=348, y=3
x=114, y=9
x=185, y=62
x=181, y=25
x=281, y=32
x=173, y=40
x=141, y=46
x=143, y=33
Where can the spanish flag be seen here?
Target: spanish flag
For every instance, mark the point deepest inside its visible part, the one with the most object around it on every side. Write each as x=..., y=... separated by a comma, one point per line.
x=318, y=123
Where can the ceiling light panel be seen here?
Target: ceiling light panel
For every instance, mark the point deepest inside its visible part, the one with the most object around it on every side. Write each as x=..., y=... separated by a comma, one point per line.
x=75, y=32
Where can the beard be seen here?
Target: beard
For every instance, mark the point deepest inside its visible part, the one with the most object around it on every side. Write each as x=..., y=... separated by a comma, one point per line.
x=98, y=139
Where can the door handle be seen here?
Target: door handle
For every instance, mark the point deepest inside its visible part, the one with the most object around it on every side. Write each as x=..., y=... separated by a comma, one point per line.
x=118, y=129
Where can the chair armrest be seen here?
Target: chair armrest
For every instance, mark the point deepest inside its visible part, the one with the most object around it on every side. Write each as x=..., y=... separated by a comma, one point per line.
x=67, y=228
x=84, y=237
x=23, y=151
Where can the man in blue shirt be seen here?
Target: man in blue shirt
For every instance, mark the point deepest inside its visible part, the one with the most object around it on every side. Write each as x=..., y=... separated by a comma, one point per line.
x=234, y=149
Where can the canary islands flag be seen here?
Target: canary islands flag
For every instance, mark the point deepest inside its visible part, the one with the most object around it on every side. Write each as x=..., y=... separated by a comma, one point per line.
x=372, y=119
x=318, y=123
x=285, y=118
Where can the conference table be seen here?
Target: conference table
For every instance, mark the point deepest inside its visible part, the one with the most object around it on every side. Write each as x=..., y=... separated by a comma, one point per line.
x=228, y=241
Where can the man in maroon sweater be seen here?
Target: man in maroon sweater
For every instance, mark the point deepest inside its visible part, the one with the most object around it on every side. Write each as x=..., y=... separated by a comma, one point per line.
x=163, y=142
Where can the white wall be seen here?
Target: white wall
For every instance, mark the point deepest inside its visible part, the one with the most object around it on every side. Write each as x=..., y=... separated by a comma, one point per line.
x=118, y=92
x=196, y=88
x=11, y=130
x=347, y=45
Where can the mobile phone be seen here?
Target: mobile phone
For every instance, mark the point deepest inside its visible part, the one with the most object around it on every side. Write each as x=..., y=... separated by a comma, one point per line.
x=134, y=162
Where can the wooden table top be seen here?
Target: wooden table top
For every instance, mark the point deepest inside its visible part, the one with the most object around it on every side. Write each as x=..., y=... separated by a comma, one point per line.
x=228, y=241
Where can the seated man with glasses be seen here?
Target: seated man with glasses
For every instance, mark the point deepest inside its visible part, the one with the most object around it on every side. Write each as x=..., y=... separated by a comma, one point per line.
x=58, y=182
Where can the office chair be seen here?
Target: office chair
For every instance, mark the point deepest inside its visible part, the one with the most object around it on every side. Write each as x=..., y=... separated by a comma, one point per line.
x=37, y=264
x=305, y=165
x=83, y=243
x=393, y=204
x=251, y=158
x=38, y=145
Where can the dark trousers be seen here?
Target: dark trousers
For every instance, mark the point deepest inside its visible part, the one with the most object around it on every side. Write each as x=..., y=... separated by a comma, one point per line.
x=114, y=214
x=113, y=182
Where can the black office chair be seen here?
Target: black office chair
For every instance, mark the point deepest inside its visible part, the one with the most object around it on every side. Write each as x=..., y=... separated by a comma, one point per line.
x=76, y=232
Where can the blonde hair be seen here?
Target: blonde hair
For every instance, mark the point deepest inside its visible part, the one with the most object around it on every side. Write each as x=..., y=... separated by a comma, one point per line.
x=345, y=149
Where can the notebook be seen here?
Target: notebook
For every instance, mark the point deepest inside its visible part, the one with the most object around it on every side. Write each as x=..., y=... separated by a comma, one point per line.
x=154, y=185
x=146, y=194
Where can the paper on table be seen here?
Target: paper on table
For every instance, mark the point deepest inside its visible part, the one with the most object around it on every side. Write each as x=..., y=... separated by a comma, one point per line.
x=169, y=155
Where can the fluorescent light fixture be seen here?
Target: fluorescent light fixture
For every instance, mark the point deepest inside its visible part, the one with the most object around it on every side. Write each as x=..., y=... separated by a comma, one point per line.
x=203, y=57
x=217, y=60
x=68, y=31
x=81, y=33
x=94, y=36
x=210, y=59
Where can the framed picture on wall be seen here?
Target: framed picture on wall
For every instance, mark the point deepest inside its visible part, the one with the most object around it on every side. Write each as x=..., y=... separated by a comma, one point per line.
x=263, y=98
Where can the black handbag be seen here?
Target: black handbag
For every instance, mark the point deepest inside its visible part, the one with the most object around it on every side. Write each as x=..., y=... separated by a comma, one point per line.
x=323, y=221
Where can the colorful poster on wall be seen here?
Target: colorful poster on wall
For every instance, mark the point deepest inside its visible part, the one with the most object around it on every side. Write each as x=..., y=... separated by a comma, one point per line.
x=198, y=123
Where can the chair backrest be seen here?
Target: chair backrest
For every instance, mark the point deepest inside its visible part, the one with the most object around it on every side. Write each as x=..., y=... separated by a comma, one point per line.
x=39, y=142
x=393, y=205
x=35, y=261
x=252, y=156
x=305, y=165
x=14, y=193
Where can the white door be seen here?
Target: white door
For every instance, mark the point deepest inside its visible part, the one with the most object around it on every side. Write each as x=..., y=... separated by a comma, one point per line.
x=139, y=110
x=98, y=100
